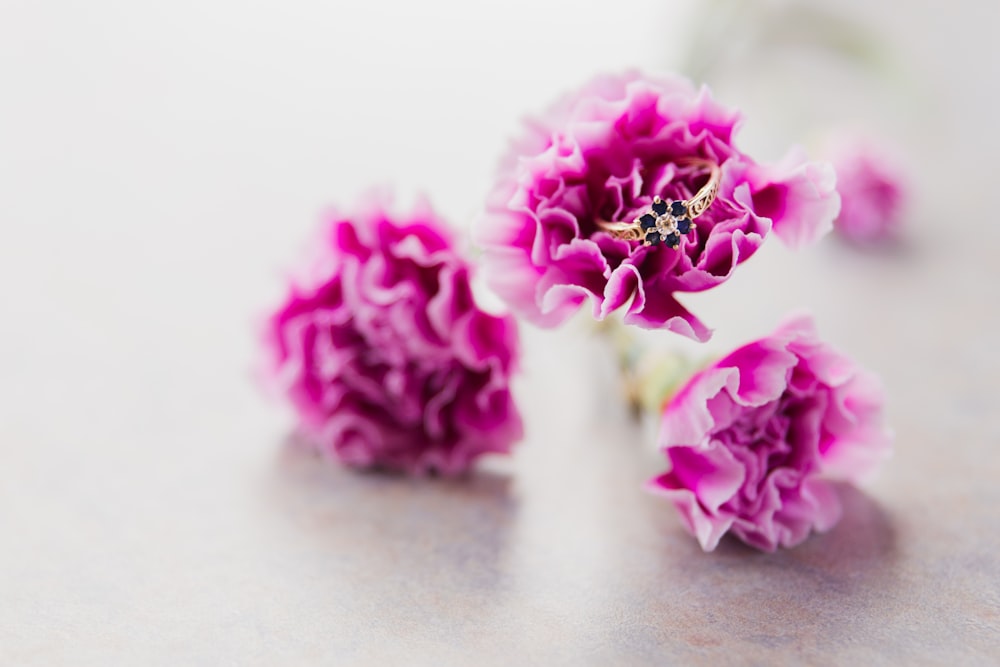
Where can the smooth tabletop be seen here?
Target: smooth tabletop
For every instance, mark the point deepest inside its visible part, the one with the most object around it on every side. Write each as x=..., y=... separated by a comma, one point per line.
x=160, y=165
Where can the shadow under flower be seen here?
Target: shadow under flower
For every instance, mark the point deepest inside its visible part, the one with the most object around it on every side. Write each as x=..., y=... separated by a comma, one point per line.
x=809, y=600
x=862, y=541
x=899, y=248
x=410, y=554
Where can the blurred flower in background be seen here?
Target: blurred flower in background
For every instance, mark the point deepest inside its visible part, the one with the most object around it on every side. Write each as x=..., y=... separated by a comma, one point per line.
x=872, y=187
x=755, y=440
x=385, y=354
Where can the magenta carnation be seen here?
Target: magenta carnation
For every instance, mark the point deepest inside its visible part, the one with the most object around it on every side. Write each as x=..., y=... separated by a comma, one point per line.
x=872, y=190
x=385, y=354
x=756, y=440
x=603, y=154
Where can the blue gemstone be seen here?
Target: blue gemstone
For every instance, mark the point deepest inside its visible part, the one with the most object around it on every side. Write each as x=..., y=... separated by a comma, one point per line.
x=647, y=221
x=677, y=209
x=659, y=207
x=653, y=238
x=684, y=226
x=672, y=240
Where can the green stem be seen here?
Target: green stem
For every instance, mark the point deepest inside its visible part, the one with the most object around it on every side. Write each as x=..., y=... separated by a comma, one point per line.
x=650, y=377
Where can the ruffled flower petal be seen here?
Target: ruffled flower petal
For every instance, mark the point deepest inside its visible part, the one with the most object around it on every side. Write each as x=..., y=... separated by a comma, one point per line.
x=384, y=353
x=800, y=197
x=602, y=154
x=754, y=441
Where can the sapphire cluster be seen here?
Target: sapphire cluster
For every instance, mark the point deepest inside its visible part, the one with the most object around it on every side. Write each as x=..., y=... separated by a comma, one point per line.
x=666, y=223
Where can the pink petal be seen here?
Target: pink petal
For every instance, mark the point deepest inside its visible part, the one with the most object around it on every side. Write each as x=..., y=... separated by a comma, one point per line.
x=763, y=369
x=799, y=196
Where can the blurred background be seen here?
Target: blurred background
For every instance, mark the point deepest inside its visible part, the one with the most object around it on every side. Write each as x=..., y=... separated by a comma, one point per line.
x=161, y=165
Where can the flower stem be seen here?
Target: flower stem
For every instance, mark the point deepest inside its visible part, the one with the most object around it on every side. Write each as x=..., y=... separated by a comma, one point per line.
x=650, y=376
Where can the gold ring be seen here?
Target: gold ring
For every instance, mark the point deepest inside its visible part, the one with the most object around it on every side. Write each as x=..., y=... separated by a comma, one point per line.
x=666, y=222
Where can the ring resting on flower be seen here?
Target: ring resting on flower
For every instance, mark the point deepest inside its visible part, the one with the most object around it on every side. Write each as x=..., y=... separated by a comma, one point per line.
x=666, y=222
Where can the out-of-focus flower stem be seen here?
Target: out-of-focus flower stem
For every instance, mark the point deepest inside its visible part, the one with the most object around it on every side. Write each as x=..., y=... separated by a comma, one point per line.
x=726, y=33
x=650, y=377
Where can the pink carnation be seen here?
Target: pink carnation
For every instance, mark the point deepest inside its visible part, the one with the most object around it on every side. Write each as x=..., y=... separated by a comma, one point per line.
x=603, y=154
x=872, y=190
x=756, y=440
x=385, y=354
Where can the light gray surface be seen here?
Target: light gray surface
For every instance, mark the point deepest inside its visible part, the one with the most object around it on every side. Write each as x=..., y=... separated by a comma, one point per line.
x=158, y=163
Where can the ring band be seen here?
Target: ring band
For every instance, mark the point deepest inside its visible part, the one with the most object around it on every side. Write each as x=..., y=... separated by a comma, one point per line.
x=667, y=222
